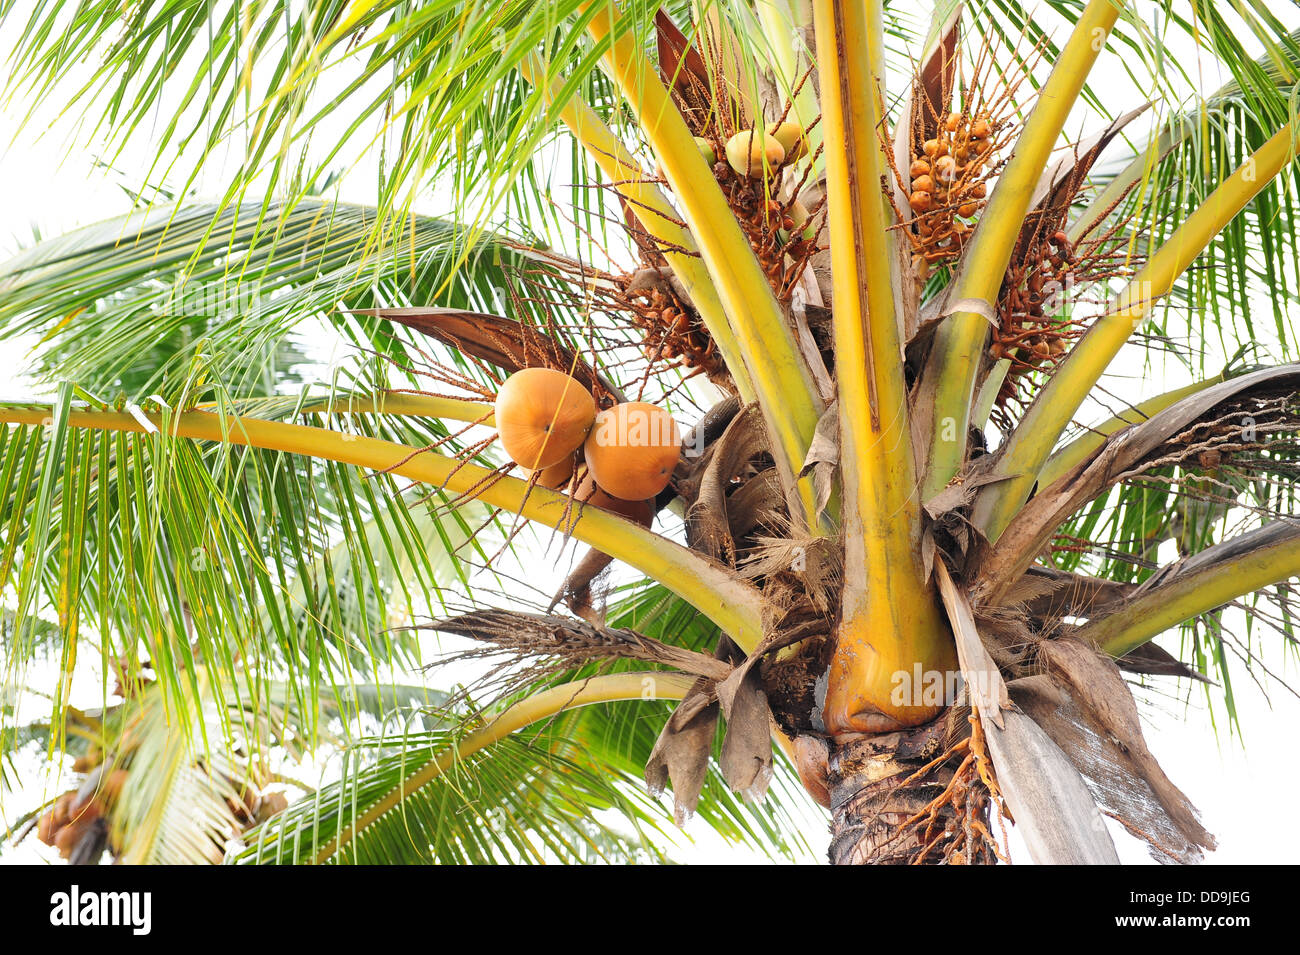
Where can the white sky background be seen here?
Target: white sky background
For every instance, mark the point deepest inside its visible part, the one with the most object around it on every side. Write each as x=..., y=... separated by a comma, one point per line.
x=52, y=183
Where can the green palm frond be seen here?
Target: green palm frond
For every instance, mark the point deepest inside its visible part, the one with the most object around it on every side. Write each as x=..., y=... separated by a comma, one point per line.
x=626, y=735
x=248, y=562
x=303, y=90
x=594, y=755
x=541, y=796
x=527, y=799
x=1180, y=509
x=182, y=302
x=426, y=82
x=274, y=595
x=1152, y=185
x=780, y=825
x=179, y=802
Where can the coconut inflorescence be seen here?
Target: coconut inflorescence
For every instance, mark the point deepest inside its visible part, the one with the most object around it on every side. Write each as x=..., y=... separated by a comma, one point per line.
x=945, y=184
x=764, y=163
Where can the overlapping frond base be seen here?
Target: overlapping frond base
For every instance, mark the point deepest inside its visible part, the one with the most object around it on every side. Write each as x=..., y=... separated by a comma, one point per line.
x=923, y=797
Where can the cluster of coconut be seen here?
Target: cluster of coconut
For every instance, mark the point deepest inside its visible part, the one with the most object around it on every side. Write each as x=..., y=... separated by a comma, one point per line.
x=947, y=186
x=73, y=814
x=1025, y=332
x=762, y=155
x=670, y=332
x=546, y=419
x=1038, y=348
x=755, y=168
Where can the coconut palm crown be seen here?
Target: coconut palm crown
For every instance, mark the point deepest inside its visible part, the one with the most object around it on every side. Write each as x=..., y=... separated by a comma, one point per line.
x=855, y=249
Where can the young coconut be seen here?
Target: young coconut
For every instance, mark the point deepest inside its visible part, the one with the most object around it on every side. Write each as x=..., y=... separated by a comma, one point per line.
x=640, y=512
x=632, y=450
x=799, y=224
x=754, y=155
x=706, y=150
x=47, y=828
x=543, y=416
x=792, y=138
x=111, y=786
x=556, y=476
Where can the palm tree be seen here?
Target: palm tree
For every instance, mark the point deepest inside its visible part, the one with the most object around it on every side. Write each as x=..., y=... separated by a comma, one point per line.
x=865, y=261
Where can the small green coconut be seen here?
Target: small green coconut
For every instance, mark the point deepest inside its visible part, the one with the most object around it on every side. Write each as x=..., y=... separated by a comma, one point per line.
x=706, y=150
x=798, y=214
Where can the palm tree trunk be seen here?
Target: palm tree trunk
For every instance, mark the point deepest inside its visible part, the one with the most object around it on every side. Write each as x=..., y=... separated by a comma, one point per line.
x=896, y=800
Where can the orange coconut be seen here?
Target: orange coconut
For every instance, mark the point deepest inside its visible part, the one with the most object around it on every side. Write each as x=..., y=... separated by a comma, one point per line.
x=542, y=416
x=641, y=512
x=68, y=837
x=112, y=785
x=557, y=475
x=63, y=806
x=632, y=450
x=47, y=827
